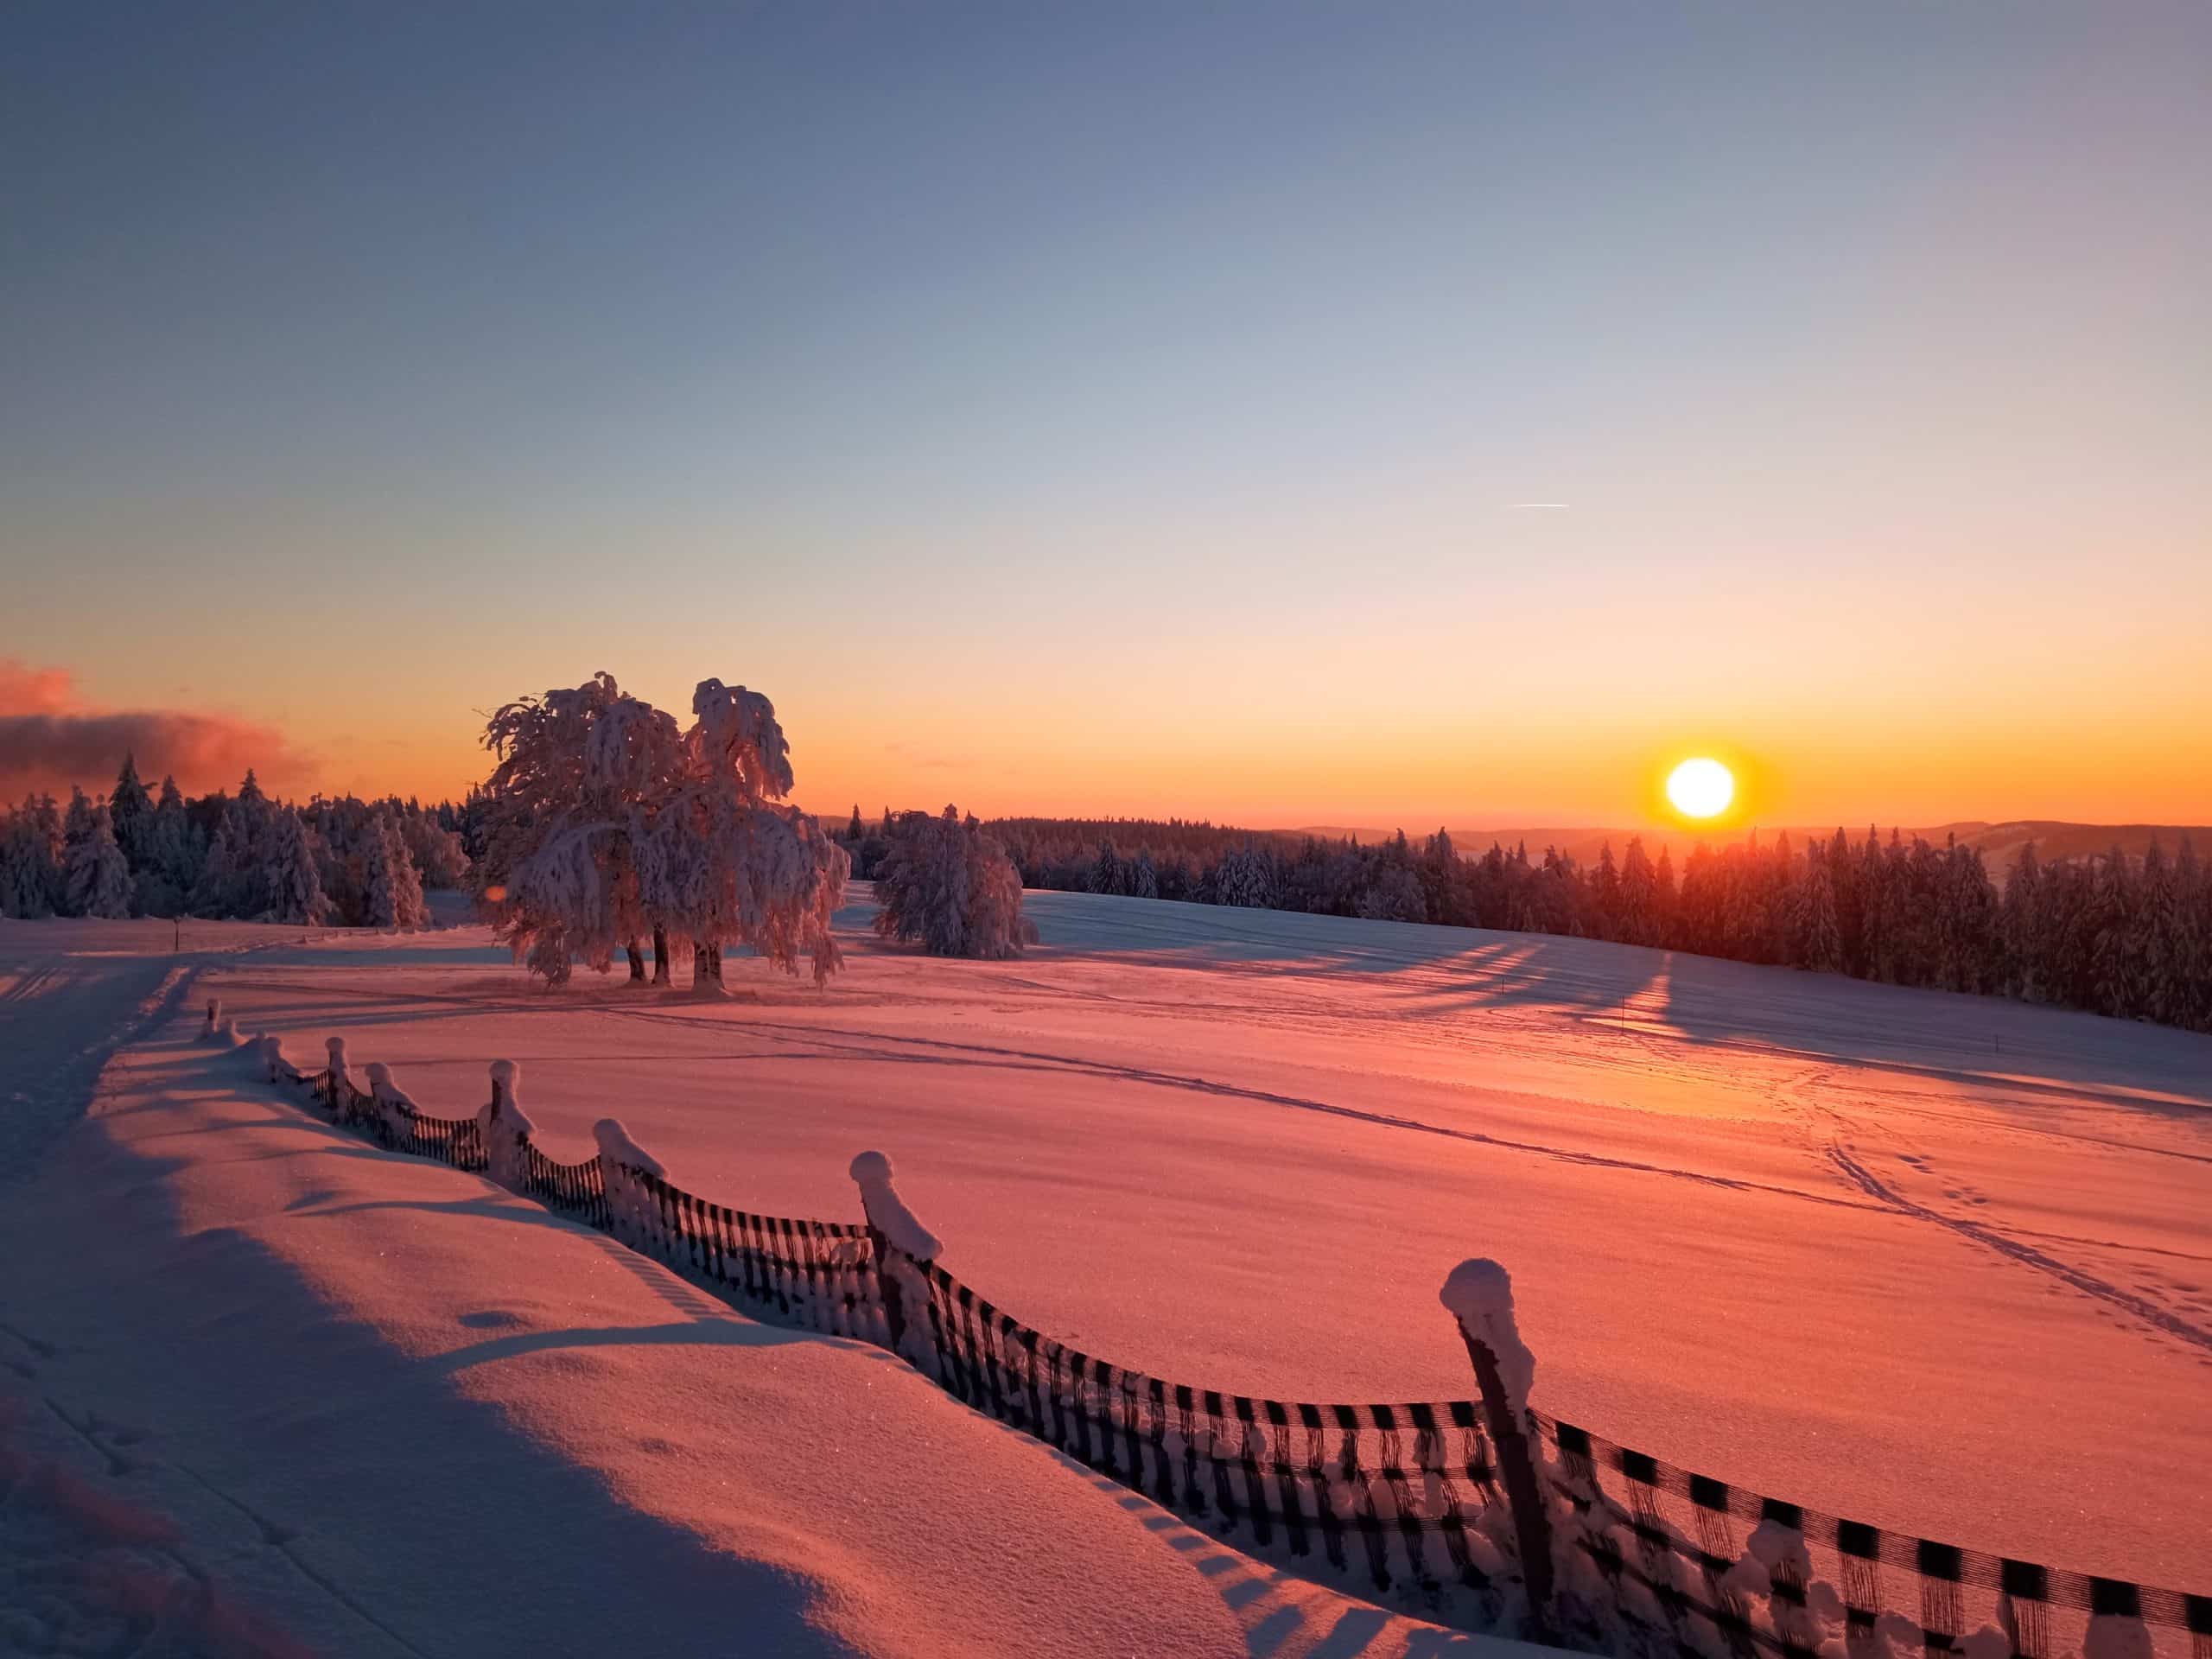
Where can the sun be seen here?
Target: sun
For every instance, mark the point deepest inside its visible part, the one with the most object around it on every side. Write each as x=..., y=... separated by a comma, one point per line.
x=1701, y=788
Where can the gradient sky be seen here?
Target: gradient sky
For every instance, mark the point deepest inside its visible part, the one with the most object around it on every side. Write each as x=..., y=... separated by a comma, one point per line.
x=1283, y=414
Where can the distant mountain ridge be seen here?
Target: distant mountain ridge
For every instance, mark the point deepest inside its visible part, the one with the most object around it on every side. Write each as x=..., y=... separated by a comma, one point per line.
x=1999, y=843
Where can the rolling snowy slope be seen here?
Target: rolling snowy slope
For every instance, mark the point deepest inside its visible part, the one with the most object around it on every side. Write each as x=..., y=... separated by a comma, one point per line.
x=1942, y=1263
x=266, y=1391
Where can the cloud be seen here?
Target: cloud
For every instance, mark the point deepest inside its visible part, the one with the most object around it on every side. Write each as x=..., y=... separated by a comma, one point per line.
x=49, y=740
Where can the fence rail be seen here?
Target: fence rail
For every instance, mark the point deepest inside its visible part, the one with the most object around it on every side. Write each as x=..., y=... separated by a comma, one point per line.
x=1483, y=1513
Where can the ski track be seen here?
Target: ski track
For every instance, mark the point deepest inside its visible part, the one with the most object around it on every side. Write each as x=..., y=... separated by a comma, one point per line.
x=2026, y=1254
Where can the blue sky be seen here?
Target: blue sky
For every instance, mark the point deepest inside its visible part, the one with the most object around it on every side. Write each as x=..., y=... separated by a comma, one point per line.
x=960, y=375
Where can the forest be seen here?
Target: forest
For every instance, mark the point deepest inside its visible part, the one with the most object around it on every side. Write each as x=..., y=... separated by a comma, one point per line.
x=2130, y=936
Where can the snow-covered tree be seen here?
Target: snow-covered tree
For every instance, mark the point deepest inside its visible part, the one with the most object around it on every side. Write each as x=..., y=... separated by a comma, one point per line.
x=950, y=884
x=212, y=890
x=725, y=860
x=1245, y=877
x=30, y=858
x=581, y=775
x=436, y=850
x=295, y=887
x=131, y=810
x=393, y=892
x=96, y=878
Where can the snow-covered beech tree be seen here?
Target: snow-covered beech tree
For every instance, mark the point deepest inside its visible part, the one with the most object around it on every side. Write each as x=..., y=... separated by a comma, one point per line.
x=96, y=879
x=581, y=775
x=948, y=883
x=725, y=860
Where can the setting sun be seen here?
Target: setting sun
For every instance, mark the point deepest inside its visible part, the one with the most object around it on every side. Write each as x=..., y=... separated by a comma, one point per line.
x=1701, y=788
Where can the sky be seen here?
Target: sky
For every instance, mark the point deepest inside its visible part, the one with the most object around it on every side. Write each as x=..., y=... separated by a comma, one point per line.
x=1279, y=414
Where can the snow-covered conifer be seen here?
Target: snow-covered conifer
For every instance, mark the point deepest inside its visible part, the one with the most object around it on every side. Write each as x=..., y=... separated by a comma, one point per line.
x=30, y=858
x=393, y=893
x=1246, y=877
x=131, y=810
x=96, y=877
x=948, y=884
x=295, y=888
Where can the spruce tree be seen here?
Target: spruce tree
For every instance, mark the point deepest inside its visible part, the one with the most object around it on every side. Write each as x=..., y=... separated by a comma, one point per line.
x=131, y=810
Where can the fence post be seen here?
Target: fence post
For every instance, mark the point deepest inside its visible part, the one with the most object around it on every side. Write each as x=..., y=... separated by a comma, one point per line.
x=891, y=1225
x=214, y=1019
x=1479, y=1294
x=340, y=1083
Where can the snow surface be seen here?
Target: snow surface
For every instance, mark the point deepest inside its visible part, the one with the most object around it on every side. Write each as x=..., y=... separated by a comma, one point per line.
x=1937, y=1263
x=273, y=1391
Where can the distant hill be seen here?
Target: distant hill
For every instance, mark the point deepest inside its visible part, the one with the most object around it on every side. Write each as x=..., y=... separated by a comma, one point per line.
x=1999, y=843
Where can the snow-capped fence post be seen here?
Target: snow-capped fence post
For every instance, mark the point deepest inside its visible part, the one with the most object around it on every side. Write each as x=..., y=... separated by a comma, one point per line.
x=625, y=1167
x=214, y=1019
x=507, y=1130
x=901, y=1243
x=1479, y=1294
x=340, y=1083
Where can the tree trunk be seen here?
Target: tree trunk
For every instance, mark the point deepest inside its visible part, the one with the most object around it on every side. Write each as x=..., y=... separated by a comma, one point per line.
x=710, y=960
x=636, y=964
x=660, y=956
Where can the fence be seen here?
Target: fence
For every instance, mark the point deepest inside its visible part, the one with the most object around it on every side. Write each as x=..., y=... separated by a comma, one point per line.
x=1484, y=1513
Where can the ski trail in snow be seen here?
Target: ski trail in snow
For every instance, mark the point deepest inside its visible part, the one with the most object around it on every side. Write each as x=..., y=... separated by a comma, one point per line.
x=2088, y=1284
x=910, y=1050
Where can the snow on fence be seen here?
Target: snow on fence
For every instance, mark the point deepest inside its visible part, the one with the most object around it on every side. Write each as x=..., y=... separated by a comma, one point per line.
x=1486, y=1513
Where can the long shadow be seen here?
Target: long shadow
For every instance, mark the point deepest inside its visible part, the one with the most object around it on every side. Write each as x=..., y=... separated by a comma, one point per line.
x=493, y=1531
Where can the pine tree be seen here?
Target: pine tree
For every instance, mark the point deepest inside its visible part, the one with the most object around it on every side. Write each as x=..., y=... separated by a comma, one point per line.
x=295, y=885
x=30, y=859
x=1106, y=871
x=96, y=877
x=131, y=810
x=393, y=890
x=1143, y=878
x=1818, y=942
x=948, y=883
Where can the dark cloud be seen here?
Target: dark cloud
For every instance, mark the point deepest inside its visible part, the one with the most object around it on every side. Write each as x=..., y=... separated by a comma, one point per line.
x=49, y=741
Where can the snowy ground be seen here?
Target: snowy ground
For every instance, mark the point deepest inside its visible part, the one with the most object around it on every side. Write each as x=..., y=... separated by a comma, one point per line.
x=269, y=1391
x=1938, y=1263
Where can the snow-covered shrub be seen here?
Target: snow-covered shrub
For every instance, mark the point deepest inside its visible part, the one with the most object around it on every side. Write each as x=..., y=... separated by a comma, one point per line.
x=948, y=883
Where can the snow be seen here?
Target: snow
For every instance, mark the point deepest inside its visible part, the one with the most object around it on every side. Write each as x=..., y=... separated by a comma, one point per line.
x=363, y=1404
x=1935, y=1262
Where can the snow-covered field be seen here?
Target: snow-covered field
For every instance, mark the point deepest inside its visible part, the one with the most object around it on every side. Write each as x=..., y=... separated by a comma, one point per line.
x=1938, y=1263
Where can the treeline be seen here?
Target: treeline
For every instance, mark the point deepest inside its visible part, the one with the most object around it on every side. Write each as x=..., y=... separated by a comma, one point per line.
x=2127, y=937
x=136, y=851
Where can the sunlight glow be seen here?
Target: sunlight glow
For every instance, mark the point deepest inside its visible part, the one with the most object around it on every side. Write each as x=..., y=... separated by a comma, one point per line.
x=1701, y=788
